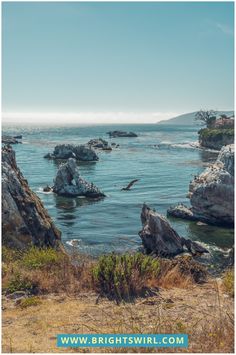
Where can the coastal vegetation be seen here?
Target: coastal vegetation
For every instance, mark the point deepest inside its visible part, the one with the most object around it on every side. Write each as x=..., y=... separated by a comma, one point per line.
x=219, y=131
x=228, y=281
x=173, y=300
x=123, y=277
x=216, y=138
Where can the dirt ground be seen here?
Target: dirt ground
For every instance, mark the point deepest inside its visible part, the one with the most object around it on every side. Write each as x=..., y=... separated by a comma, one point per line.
x=203, y=312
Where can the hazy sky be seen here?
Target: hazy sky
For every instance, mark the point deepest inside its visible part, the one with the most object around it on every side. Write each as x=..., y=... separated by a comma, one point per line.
x=143, y=60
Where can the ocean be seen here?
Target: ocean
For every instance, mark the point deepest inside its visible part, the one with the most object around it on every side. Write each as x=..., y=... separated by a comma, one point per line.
x=164, y=158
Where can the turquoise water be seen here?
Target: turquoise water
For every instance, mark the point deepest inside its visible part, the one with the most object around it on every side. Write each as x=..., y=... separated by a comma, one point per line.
x=112, y=224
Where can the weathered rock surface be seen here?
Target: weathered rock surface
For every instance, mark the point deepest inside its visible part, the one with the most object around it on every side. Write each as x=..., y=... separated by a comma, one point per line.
x=99, y=144
x=161, y=239
x=226, y=157
x=11, y=139
x=181, y=211
x=115, y=134
x=24, y=218
x=79, y=152
x=68, y=182
x=212, y=192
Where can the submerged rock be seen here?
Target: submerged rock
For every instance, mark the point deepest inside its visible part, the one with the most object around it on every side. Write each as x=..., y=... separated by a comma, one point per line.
x=68, y=182
x=79, y=152
x=100, y=144
x=161, y=239
x=47, y=189
x=25, y=221
x=212, y=193
x=115, y=134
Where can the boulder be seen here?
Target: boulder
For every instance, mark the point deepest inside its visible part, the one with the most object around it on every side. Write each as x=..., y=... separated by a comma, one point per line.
x=159, y=238
x=115, y=134
x=80, y=152
x=100, y=144
x=68, y=182
x=25, y=221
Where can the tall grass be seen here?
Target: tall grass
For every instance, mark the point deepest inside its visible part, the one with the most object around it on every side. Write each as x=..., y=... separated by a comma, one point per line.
x=124, y=277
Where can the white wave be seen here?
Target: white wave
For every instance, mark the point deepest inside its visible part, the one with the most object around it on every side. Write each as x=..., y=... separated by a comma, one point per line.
x=73, y=242
x=182, y=145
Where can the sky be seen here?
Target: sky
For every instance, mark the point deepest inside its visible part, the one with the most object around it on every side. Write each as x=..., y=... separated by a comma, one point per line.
x=109, y=62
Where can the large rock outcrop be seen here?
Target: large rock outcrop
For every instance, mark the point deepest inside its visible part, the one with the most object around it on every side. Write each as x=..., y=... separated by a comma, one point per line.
x=161, y=239
x=24, y=218
x=212, y=192
x=80, y=152
x=68, y=182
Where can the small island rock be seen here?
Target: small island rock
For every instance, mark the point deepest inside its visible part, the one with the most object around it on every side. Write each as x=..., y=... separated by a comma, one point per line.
x=117, y=134
x=161, y=239
x=100, y=144
x=68, y=182
x=10, y=139
x=81, y=152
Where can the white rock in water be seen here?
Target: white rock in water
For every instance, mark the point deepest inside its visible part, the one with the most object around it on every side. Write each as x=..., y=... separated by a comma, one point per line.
x=69, y=183
x=212, y=192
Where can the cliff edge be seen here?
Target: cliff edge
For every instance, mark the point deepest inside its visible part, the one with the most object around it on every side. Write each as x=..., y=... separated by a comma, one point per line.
x=25, y=221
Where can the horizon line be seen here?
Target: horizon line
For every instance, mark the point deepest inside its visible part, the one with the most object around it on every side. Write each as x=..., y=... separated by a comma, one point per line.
x=90, y=117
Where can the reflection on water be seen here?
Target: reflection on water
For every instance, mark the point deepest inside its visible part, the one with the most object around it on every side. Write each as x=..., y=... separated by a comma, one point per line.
x=112, y=224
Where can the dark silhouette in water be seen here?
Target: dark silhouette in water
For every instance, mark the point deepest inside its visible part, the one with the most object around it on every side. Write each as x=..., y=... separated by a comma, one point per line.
x=128, y=187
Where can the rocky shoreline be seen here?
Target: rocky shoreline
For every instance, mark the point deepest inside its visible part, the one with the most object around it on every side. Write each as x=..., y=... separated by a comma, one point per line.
x=211, y=193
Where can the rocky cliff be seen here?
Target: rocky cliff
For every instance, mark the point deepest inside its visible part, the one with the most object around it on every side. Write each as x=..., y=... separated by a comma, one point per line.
x=212, y=193
x=215, y=138
x=24, y=218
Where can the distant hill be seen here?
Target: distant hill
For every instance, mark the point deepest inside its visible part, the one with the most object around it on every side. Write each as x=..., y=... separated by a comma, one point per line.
x=188, y=119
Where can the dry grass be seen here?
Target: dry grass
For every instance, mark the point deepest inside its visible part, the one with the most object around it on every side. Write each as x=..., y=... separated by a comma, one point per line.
x=203, y=312
x=45, y=271
x=65, y=300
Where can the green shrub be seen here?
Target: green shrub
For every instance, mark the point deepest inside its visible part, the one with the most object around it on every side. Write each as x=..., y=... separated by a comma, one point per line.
x=228, y=282
x=216, y=133
x=38, y=258
x=124, y=276
x=29, y=302
x=19, y=282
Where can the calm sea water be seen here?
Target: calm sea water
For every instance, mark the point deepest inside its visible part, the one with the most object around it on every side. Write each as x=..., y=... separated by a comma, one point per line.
x=113, y=224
